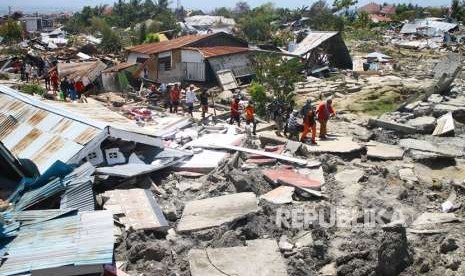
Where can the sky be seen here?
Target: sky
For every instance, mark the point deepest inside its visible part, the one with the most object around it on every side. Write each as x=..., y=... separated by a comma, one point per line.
x=206, y=5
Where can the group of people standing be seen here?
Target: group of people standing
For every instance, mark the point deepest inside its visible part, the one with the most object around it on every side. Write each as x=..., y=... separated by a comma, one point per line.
x=43, y=69
x=171, y=96
x=289, y=125
x=71, y=89
x=310, y=116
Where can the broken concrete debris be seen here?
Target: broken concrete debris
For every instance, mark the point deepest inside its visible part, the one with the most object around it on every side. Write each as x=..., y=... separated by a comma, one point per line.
x=259, y=258
x=215, y=211
x=445, y=125
x=132, y=187
x=135, y=208
x=381, y=151
x=280, y=195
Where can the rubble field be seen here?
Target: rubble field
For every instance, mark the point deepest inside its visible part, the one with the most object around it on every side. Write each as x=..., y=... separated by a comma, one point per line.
x=155, y=193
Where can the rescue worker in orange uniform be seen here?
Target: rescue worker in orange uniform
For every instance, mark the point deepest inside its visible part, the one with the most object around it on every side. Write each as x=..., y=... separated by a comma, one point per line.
x=250, y=116
x=309, y=124
x=325, y=111
x=175, y=96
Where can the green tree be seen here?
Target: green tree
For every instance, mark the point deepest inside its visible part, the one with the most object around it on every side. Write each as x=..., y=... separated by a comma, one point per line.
x=363, y=20
x=222, y=12
x=11, y=31
x=256, y=25
x=111, y=42
x=455, y=9
x=458, y=10
x=258, y=94
x=323, y=19
x=278, y=75
x=151, y=38
x=241, y=8
x=142, y=32
x=344, y=4
x=163, y=5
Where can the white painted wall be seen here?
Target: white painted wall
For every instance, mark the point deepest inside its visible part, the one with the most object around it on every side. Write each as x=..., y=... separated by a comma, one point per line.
x=132, y=57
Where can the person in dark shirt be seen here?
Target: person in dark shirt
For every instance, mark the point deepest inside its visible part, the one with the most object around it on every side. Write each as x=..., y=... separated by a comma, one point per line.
x=64, y=85
x=204, y=102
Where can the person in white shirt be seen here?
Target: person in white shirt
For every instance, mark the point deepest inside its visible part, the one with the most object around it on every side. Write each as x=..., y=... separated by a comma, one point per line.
x=190, y=99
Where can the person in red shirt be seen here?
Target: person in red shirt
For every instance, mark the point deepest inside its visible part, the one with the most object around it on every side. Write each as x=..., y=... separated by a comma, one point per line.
x=79, y=88
x=54, y=79
x=250, y=116
x=235, y=114
x=175, y=96
x=325, y=111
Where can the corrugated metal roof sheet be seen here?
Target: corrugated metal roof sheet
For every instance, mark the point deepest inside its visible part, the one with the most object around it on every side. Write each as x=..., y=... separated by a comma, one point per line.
x=87, y=71
x=313, y=40
x=118, y=67
x=158, y=47
x=217, y=51
x=439, y=26
x=81, y=239
x=69, y=125
x=44, y=137
x=75, y=179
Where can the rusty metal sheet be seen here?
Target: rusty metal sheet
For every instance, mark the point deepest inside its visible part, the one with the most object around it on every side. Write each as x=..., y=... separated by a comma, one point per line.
x=31, y=132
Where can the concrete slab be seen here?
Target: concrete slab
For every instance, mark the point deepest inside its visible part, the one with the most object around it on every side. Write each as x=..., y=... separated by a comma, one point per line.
x=335, y=144
x=215, y=211
x=202, y=162
x=424, y=124
x=429, y=220
x=376, y=150
x=445, y=125
x=392, y=125
x=259, y=258
x=349, y=176
x=303, y=239
x=289, y=177
x=136, y=208
x=280, y=195
x=421, y=145
x=315, y=173
x=407, y=174
x=260, y=160
x=349, y=180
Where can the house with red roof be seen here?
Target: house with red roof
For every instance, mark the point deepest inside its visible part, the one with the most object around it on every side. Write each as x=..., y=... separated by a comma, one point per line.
x=195, y=58
x=379, y=13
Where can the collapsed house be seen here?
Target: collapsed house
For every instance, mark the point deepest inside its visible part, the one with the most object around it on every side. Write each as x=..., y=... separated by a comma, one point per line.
x=204, y=24
x=193, y=58
x=117, y=78
x=428, y=27
x=37, y=23
x=45, y=132
x=87, y=72
x=321, y=51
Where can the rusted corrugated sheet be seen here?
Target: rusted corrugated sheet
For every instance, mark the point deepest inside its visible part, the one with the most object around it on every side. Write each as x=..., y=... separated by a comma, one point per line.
x=217, y=51
x=158, y=47
x=86, y=71
x=40, y=135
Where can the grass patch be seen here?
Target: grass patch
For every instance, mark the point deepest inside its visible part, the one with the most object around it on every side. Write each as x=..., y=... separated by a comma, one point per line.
x=32, y=89
x=379, y=103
